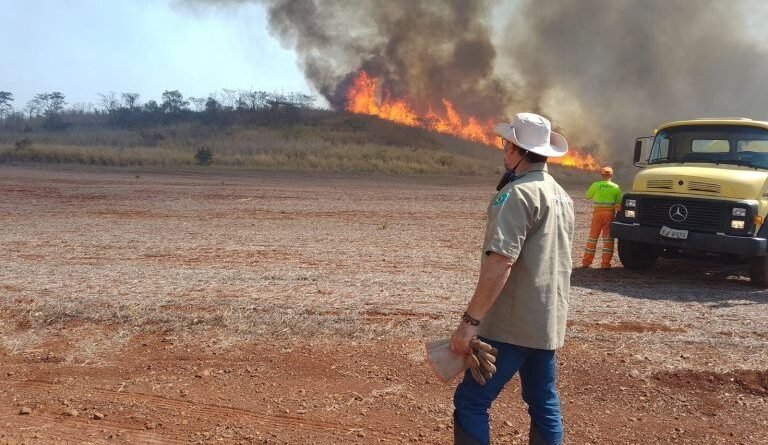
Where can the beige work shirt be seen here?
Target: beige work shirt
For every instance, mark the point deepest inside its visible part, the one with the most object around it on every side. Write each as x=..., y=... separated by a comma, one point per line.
x=530, y=221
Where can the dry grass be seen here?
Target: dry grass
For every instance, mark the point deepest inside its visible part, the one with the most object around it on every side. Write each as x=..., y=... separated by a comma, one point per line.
x=219, y=260
x=324, y=142
x=327, y=142
x=97, y=156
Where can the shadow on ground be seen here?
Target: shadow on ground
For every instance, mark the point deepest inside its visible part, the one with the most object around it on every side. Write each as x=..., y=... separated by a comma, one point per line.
x=677, y=280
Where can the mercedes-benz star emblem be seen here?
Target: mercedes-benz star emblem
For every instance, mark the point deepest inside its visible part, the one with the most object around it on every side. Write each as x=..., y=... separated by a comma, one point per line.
x=678, y=213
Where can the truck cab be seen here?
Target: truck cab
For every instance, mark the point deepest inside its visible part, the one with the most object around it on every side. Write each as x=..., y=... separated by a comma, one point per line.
x=703, y=190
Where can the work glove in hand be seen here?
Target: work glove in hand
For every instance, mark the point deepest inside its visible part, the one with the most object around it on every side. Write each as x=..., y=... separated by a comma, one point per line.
x=481, y=360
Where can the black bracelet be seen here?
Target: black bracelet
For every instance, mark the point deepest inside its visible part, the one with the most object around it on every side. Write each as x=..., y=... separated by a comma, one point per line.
x=466, y=318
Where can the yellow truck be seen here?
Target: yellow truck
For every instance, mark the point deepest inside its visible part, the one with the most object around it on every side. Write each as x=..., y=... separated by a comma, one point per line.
x=703, y=190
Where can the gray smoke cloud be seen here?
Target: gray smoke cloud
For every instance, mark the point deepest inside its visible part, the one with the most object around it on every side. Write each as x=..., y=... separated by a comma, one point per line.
x=604, y=71
x=628, y=66
x=421, y=51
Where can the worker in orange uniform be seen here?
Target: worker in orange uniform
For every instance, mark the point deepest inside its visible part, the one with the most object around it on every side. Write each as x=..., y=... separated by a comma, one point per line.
x=606, y=195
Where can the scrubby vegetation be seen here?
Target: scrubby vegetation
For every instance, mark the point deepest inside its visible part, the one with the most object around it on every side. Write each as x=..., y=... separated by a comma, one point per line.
x=252, y=131
x=318, y=141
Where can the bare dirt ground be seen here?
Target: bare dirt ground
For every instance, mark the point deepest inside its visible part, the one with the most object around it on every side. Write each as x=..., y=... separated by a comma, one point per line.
x=266, y=308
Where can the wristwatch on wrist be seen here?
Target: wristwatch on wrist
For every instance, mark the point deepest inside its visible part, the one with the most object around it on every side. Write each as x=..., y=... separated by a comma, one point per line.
x=468, y=319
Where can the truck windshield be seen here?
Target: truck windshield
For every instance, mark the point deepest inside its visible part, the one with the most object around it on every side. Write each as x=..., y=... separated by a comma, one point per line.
x=715, y=144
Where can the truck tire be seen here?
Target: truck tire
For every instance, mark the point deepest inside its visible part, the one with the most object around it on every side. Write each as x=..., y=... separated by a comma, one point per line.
x=637, y=256
x=758, y=271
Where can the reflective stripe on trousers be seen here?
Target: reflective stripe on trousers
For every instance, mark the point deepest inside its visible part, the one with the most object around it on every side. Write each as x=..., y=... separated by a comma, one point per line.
x=601, y=225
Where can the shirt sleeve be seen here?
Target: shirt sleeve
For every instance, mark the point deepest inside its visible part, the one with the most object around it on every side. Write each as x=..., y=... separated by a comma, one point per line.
x=618, y=195
x=591, y=190
x=509, y=220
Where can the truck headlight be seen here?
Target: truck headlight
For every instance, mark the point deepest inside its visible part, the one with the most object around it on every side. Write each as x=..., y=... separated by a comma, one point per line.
x=630, y=203
x=739, y=212
x=630, y=214
x=737, y=224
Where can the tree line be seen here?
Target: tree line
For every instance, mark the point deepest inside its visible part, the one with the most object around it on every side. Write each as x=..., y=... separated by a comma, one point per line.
x=51, y=111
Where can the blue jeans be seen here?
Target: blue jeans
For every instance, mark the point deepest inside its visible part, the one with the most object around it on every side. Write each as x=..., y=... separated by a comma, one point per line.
x=537, y=376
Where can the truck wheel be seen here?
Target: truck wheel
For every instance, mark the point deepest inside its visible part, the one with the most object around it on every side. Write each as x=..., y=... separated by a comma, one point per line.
x=758, y=271
x=637, y=256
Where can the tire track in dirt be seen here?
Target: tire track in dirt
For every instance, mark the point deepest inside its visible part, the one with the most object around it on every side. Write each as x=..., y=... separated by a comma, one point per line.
x=214, y=411
x=81, y=429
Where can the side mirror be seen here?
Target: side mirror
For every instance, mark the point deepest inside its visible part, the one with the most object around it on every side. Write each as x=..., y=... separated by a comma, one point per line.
x=642, y=146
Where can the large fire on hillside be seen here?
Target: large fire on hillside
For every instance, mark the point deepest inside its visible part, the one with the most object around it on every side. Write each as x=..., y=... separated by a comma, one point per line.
x=363, y=98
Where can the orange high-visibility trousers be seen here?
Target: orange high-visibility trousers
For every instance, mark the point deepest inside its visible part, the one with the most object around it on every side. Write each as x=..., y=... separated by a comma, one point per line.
x=601, y=224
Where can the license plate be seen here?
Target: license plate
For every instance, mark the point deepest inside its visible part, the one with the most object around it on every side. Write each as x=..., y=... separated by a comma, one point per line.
x=673, y=233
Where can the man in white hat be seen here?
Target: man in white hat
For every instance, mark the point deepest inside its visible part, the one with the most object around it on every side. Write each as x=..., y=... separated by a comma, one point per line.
x=520, y=302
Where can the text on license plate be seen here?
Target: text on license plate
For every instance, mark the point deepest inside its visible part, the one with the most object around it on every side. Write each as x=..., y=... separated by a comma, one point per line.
x=673, y=233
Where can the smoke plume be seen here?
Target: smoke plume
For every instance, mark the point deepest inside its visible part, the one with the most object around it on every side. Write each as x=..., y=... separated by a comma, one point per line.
x=629, y=66
x=421, y=50
x=604, y=71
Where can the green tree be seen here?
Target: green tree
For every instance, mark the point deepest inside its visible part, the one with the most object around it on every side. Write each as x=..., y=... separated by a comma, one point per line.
x=228, y=99
x=34, y=106
x=50, y=104
x=173, y=102
x=109, y=102
x=131, y=100
x=204, y=156
x=302, y=100
x=52, y=107
x=5, y=104
x=151, y=107
x=212, y=105
x=198, y=103
x=257, y=99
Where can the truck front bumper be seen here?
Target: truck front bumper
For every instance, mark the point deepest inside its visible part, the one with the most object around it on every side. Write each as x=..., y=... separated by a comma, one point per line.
x=707, y=242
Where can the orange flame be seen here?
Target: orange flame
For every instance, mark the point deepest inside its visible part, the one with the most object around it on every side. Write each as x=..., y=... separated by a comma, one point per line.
x=361, y=99
x=576, y=159
x=453, y=124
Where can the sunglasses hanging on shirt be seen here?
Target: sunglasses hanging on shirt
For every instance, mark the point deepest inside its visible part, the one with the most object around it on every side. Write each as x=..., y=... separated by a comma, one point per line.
x=508, y=177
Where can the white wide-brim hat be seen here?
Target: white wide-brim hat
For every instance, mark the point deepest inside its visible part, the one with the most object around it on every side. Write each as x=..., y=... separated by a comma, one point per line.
x=533, y=133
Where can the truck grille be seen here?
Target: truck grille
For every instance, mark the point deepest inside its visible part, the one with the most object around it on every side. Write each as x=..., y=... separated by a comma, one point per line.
x=696, y=186
x=659, y=184
x=702, y=216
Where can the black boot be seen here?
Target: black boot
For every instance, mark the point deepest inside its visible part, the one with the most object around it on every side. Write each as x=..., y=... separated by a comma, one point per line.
x=461, y=437
x=534, y=437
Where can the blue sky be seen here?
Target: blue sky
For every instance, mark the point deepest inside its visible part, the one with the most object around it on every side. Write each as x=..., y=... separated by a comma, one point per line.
x=86, y=47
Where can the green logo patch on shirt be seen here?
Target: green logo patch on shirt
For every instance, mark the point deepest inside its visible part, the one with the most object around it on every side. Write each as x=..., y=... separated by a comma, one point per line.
x=500, y=199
